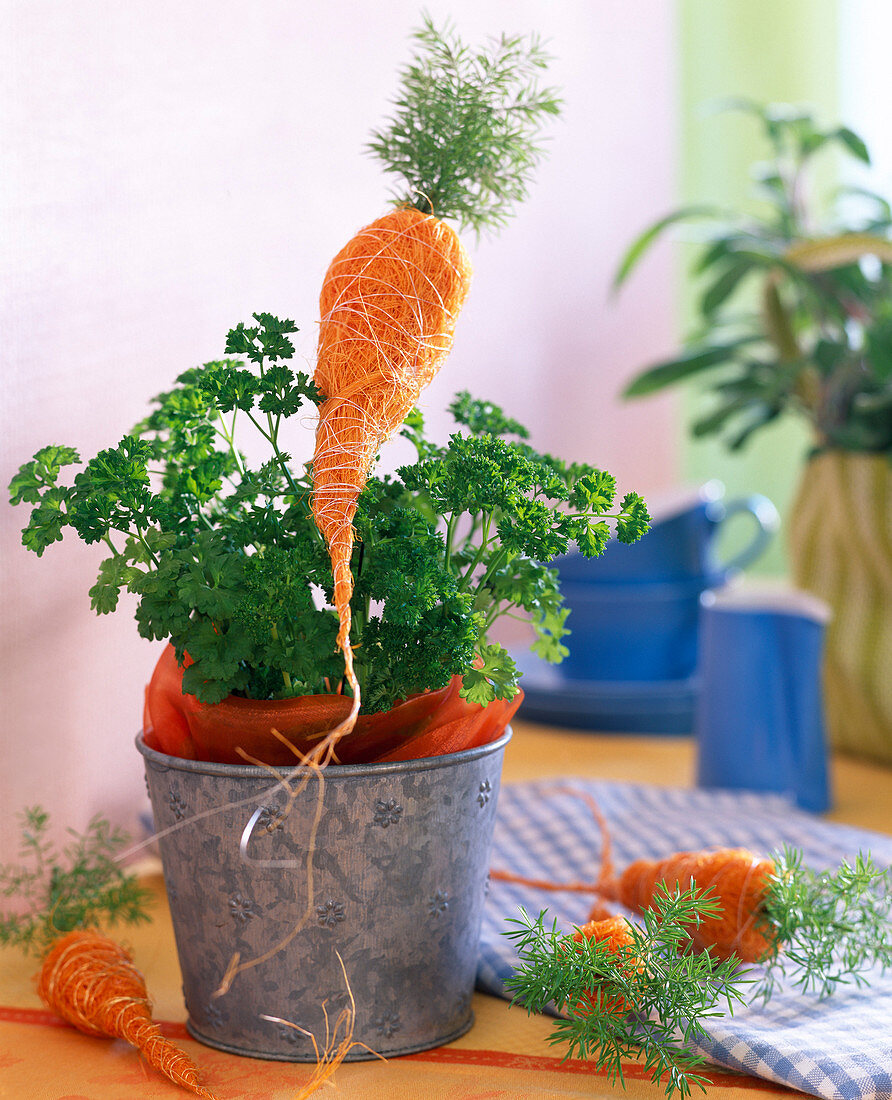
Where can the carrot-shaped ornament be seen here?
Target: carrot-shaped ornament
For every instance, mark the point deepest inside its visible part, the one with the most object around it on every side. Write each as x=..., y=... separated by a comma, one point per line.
x=738, y=879
x=821, y=928
x=90, y=981
x=464, y=141
x=61, y=897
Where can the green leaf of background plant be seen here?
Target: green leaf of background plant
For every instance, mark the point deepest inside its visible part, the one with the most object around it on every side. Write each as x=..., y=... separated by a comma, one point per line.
x=725, y=285
x=716, y=420
x=763, y=416
x=642, y=243
x=674, y=370
x=853, y=143
x=778, y=322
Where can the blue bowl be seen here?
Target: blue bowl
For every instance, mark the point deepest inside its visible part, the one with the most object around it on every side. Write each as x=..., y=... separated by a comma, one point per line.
x=633, y=632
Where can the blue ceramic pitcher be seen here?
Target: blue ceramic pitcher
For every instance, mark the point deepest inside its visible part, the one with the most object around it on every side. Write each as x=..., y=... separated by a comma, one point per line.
x=760, y=717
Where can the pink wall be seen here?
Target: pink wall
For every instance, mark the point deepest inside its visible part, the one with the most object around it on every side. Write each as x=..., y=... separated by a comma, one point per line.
x=171, y=167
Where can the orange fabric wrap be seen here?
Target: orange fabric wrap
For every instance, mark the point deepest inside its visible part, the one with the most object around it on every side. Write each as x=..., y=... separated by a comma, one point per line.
x=431, y=724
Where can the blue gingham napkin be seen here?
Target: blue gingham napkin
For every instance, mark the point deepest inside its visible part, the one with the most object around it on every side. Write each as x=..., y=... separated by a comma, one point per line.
x=839, y=1048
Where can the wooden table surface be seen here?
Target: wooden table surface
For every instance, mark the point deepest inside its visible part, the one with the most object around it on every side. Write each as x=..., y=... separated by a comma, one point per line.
x=505, y=1055
x=861, y=790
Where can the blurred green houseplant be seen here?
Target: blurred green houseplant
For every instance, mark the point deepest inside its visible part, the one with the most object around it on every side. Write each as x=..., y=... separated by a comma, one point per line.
x=817, y=340
x=794, y=317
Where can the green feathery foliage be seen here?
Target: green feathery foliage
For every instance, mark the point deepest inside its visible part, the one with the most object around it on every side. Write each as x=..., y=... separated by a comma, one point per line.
x=54, y=892
x=827, y=928
x=465, y=133
x=669, y=992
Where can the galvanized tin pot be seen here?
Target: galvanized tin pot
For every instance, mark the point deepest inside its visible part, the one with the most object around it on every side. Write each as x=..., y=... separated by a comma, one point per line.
x=395, y=886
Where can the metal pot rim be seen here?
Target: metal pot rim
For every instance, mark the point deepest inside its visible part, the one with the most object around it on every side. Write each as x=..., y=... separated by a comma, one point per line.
x=334, y=771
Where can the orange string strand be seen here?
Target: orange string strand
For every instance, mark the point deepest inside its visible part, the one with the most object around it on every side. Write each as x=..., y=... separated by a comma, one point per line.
x=605, y=884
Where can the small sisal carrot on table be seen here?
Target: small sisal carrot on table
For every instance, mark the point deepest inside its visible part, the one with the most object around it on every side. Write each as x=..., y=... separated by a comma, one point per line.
x=823, y=927
x=615, y=934
x=462, y=139
x=91, y=982
x=737, y=878
x=624, y=990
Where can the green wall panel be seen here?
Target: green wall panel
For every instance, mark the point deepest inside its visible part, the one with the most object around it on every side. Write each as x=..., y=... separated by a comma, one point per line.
x=767, y=50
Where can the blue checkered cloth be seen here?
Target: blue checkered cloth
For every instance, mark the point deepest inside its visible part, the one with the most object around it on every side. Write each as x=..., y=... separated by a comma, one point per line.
x=840, y=1048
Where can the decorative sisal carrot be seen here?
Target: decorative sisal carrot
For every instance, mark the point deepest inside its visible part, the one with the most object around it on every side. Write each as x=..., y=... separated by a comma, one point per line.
x=389, y=304
x=90, y=981
x=824, y=928
x=624, y=989
x=739, y=880
x=615, y=933
x=462, y=139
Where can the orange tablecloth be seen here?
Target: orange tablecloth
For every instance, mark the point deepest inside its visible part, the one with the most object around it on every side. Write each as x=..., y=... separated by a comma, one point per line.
x=506, y=1053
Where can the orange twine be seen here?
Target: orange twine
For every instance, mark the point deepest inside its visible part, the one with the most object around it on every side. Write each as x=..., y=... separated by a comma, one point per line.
x=389, y=304
x=338, y=1041
x=91, y=982
x=737, y=878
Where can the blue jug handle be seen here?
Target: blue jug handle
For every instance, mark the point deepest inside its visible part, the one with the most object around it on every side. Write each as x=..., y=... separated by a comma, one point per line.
x=767, y=525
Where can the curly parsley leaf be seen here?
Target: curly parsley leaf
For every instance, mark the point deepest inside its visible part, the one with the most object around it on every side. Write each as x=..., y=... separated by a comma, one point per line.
x=495, y=678
x=484, y=418
x=40, y=473
x=227, y=564
x=268, y=339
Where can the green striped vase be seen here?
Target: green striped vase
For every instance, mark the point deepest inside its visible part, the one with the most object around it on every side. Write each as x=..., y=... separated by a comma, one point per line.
x=840, y=539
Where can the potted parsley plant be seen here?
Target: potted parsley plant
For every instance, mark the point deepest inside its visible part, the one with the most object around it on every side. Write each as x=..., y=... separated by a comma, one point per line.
x=341, y=901
x=795, y=320
x=380, y=863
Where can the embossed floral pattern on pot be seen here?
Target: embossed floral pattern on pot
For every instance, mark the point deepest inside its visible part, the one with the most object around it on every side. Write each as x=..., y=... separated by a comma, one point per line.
x=331, y=913
x=270, y=819
x=388, y=1025
x=176, y=804
x=438, y=903
x=387, y=813
x=242, y=909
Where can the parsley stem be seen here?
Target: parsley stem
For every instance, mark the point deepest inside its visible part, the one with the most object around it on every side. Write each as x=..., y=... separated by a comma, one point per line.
x=450, y=534
x=499, y=558
x=229, y=436
x=468, y=575
x=154, y=557
x=286, y=676
x=270, y=437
